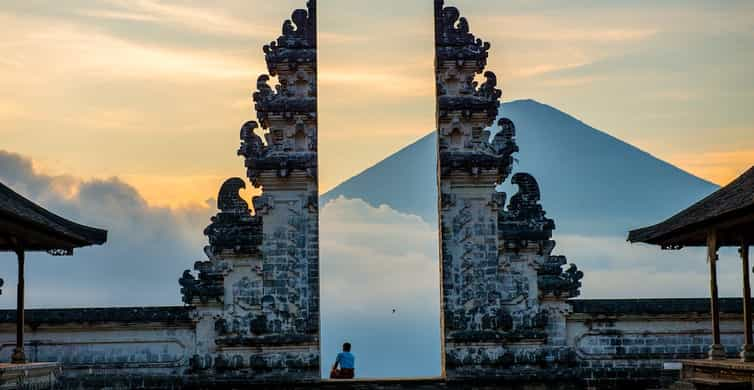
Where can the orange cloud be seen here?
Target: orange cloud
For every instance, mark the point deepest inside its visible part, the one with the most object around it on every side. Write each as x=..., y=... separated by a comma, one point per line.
x=203, y=19
x=572, y=81
x=39, y=49
x=561, y=29
x=11, y=110
x=540, y=69
x=93, y=87
x=720, y=167
x=181, y=191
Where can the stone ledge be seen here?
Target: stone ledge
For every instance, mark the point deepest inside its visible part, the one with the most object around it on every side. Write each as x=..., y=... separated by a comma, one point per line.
x=172, y=314
x=29, y=375
x=727, y=364
x=392, y=384
x=718, y=374
x=653, y=306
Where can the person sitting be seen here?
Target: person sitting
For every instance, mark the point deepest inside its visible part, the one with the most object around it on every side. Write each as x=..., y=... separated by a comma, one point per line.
x=344, y=364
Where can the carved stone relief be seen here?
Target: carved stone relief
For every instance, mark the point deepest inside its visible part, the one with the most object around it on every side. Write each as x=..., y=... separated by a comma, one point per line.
x=256, y=299
x=501, y=286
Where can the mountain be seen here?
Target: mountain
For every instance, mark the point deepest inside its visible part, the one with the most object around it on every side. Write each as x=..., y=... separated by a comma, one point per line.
x=406, y=181
x=591, y=182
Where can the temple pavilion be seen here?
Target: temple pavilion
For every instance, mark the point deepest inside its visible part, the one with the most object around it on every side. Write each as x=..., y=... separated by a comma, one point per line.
x=28, y=227
x=723, y=219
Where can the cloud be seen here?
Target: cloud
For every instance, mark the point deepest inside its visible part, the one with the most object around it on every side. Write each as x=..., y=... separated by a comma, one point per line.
x=374, y=260
x=541, y=69
x=207, y=20
x=364, y=246
x=119, y=15
x=614, y=268
x=147, y=246
x=720, y=166
x=11, y=110
x=80, y=49
x=572, y=81
x=98, y=52
x=178, y=191
x=379, y=81
x=564, y=30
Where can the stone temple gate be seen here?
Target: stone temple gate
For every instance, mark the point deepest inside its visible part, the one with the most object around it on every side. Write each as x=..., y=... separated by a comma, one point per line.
x=256, y=298
x=503, y=292
x=252, y=310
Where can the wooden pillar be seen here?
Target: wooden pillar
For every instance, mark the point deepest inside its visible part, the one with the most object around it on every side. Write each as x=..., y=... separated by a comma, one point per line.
x=716, y=350
x=18, y=353
x=747, y=350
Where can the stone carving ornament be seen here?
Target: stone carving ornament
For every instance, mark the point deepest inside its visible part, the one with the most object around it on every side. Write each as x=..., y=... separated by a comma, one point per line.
x=501, y=286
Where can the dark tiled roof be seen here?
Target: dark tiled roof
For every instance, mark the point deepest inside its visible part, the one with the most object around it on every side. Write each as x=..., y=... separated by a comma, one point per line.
x=734, y=200
x=24, y=219
x=169, y=314
x=654, y=306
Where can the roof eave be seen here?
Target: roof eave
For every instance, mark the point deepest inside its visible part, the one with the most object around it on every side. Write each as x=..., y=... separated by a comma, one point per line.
x=689, y=235
x=78, y=235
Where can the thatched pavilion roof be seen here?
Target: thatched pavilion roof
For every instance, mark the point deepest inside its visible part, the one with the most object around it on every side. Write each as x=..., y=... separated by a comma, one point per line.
x=729, y=211
x=28, y=226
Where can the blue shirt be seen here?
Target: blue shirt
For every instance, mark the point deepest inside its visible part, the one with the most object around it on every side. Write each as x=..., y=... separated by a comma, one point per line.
x=346, y=360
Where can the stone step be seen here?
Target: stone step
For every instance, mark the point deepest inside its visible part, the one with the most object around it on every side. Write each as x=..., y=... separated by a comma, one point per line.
x=681, y=385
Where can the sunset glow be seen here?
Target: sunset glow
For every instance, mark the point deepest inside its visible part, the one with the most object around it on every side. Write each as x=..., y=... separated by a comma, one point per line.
x=154, y=93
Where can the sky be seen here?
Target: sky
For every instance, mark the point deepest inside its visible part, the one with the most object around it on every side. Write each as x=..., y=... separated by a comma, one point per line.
x=155, y=92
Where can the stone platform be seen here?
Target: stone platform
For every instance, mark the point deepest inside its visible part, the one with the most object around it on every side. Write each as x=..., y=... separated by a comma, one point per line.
x=718, y=374
x=225, y=382
x=389, y=384
x=30, y=376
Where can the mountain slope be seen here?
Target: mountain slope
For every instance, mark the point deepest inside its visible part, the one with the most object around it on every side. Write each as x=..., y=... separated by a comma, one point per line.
x=406, y=181
x=592, y=183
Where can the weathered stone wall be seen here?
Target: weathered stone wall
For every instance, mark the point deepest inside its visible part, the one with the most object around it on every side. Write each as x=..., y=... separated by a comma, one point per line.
x=615, y=343
x=118, y=342
x=625, y=343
